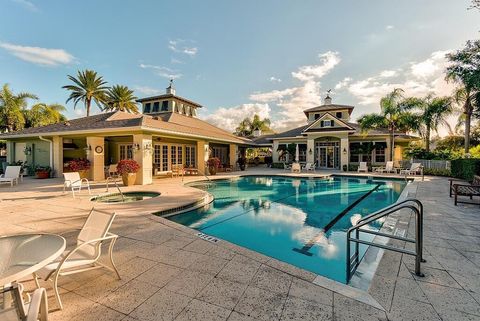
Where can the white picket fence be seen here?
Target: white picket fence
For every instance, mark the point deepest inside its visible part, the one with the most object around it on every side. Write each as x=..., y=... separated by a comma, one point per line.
x=427, y=163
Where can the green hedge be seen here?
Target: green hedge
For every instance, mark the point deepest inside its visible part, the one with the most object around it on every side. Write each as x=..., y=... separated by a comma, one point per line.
x=465, y=168
x=437, y=172
x=277, y=165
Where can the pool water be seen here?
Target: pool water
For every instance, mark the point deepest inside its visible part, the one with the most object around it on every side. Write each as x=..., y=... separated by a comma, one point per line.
x=299, y=221
x=127, y=197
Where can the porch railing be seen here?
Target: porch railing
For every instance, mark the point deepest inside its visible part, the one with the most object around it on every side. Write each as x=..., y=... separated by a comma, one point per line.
x=427, y=163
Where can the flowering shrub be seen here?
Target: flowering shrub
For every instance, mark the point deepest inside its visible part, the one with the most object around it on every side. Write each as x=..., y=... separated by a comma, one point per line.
x=79, y=164
x=126, y=166
x=213, y=162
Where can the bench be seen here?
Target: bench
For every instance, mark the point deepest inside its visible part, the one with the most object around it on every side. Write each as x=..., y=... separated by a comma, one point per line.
x=469, y=189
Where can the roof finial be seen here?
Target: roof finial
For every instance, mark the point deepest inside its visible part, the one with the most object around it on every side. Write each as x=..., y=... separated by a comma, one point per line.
x=328, y=99
x=170, y=88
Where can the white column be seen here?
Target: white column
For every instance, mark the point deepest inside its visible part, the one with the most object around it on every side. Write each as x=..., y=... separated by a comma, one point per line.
x=10, y=152
x=97, y=163
x=143, y=156
x=311, y=147
x=275, y=155
x=57, y=146
x=344, y=151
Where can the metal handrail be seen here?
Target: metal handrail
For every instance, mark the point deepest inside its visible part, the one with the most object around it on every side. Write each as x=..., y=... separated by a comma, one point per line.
x=418, y=241
x=116, y=185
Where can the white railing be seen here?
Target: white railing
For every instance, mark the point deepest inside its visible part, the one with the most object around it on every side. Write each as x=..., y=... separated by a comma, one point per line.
x=427, y=163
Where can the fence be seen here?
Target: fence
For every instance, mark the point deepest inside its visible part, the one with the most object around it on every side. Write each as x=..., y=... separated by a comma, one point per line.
x=427, y=163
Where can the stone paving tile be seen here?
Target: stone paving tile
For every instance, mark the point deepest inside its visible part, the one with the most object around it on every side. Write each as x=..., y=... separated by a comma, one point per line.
x=458, y=316
x=178, y=242
x=199, y=310
x=235, y=316
x=261, y=304
x=290, y=269
x=409, y=289
x=310, y=292
x=189, y=283
x=163, y=305
x=100, y=287
x=199, y=246
x=469, y=283
x=222, y=292
x=436, y=276
x=404, y=309
x=240, y=269
x=98, y=312
x=381, y=289
x=221, y=252
x=345, y=309
x=270, y=279
x=298, y=309
x=208, y=264
x=129, y=296
x=134, y=267
x=160, y=274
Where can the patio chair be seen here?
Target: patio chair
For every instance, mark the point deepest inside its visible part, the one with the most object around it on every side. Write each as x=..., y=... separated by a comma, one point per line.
x=177, y=170
x=73, y=181
x=309, y=167
x=415, y=168
x=287, y=167
x=362, y=167
x=465, y=189
x=112, y=170
x=12, y=173
x=387, y=169
x=85, y=256
x=36, y=309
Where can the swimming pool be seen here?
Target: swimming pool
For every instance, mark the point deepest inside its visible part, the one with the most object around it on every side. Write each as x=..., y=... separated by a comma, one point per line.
x=296, y=220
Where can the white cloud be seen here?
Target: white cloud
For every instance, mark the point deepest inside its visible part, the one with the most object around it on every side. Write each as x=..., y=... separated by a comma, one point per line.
x=417, y=79
x=291, y=102
x=228, y=118
x=275, y=79
x=183, y=46
x=389, y=27
x=176, y=61
x=343, y=83
x=148, y=90
x=27, y=5
x=38, y=55
x=162, y=71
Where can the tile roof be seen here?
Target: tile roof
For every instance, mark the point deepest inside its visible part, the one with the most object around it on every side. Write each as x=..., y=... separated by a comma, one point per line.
x=328, y=108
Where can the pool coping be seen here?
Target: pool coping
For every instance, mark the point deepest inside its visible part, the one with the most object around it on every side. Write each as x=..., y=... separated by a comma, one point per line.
x=352, y=292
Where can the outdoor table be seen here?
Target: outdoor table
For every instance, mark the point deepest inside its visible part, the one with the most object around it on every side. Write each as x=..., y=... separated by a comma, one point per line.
x=21, y=255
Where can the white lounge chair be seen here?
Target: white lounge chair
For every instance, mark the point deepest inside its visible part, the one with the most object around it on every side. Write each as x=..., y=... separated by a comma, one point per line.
x=362, y=167
x=387, y=169
x=12, y=173
x=309, y=167
x=73, y=181
x=112, y=170
x=415, y=169
x=85, y=256
x=34, y=310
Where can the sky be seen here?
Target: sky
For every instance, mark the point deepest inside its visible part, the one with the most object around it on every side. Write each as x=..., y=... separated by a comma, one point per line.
x=237, y=58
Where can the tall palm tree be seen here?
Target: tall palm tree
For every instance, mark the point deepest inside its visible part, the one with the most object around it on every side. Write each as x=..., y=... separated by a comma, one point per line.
x=433, y=112
x=42, y=114
x=247, y=126
x=11, y=107
x=394, y=115
x=468, y=100
x=121, y=98
x=87, y=86
x=260, y=124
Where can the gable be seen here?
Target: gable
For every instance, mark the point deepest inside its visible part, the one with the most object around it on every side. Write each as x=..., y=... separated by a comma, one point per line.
x=328, y=122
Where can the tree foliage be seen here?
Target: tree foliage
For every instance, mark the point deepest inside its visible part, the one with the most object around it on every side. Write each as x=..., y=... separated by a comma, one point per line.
x=12, y=108
x=43, y=114
x=247, y=126
x=121, y=98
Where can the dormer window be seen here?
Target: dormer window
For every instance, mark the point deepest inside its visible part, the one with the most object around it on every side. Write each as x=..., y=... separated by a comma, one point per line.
x=316, y=116
x=147, y=107
x=156, y=107
x=326, y=123
x=165, y=105
x=339, y=114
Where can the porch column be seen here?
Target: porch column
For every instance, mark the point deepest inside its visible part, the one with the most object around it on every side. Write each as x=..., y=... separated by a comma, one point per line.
x=143, y=156
x=344, y=151
x=97, y=163
x=202, y=150
x=57, y=146
x=10, y=152
x=388, y=151
x=311, y=147
x=233, y=155
x=275, y=151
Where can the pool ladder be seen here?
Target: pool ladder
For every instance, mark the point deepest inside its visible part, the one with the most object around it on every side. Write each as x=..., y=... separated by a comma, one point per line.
x=116, y=185
x=412, y=204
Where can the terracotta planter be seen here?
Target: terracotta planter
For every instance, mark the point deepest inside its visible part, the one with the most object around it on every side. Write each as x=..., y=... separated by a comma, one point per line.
x=42, y=174
x=129, y=179
x=212, y=170
x=83, y=173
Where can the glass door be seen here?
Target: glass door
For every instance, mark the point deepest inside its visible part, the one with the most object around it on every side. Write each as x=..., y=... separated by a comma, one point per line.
x=322, y=156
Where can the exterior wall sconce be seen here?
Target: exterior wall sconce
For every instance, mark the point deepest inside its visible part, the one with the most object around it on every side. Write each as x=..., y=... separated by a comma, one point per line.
x=148, y=146
x=344, y=150
x=135, y=147
x=87, y=150
x=27, y=150
x=310, y=151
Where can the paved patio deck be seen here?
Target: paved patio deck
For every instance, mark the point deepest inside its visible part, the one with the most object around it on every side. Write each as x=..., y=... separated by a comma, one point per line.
x=170, y=274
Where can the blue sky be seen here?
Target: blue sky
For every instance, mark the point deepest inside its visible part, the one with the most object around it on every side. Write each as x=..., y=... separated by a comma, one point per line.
x=237, y=58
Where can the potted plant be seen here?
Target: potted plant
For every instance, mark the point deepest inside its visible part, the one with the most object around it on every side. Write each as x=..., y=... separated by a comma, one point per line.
x=128, y=169
x=80, y=165
x=241, y=163
x=345, y=168
x=213, y=164
x=42, y=172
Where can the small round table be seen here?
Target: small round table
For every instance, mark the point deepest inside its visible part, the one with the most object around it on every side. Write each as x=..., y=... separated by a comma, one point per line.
x=21, y=255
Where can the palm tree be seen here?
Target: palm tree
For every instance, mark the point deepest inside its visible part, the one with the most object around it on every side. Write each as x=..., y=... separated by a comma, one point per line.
x=121, y=98
x=11, y=107
x=394, y=115
x=247, y=126
x=468, y=100
x=42, y=114
x=433, y=113
x=87, y=86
